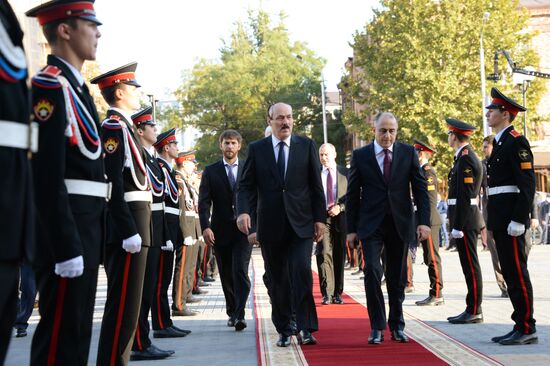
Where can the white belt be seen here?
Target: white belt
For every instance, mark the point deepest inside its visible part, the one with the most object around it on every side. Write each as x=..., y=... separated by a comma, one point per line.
x=190, y=213
x=502, y=189
x=172, y=210
x=88, y=188
x=157, y=206
x=144, y=196
x=452, y=201
x=19, y=135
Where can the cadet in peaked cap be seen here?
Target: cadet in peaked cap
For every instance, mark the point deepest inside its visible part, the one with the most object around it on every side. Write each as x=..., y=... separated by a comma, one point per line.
x=503, y=103
x=165, y=138
x=144, y=117
x=121, y=75
x=459, y=127
x=186, y=156
x=422, y=146
x=52, y=11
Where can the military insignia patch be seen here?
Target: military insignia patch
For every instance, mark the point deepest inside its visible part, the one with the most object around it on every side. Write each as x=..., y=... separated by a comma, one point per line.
x=468, y=171
x=468, y=180
x=526, y=165
x=43, y=110
x=523, y=154
x=431, y=187
x=111, y=144
x=430, y=179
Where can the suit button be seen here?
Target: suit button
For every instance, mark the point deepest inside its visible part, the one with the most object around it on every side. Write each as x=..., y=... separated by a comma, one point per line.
x=283, y=190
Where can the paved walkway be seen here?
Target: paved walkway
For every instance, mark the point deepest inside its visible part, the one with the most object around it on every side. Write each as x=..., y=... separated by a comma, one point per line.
x=213, y=343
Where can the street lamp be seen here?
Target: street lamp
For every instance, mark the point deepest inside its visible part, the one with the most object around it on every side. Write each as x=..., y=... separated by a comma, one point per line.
x=486, y=129
x=524, y=81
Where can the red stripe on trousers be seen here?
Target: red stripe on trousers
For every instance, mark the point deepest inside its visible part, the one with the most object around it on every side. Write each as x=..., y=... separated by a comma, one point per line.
x=138, y=339
x=120, y=308
x=473, y=273
x=436, y=270
x=523, y=288
x=61, y=289
x=159, y=286
x=180, y=282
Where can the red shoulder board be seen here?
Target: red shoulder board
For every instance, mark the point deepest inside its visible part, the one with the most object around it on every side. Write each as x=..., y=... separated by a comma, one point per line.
x=515, y=133
x=464, y=152
x=115, y=117
x=52, y=71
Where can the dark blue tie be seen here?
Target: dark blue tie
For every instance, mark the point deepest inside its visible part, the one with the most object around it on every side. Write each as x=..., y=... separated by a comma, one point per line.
x=281, y=160
x=231, y=176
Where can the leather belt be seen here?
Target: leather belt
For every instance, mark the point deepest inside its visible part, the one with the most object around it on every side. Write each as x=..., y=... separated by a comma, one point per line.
x=88, y=188
x=452, y=201
x=19, y=135
x=172, y=210
x=143, y=196
x=157, y=206
x=502, y=189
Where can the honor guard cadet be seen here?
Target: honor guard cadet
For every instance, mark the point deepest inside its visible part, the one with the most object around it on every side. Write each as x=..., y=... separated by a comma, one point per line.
x=129, y=215
x=16, y=196
x=167, y=149
x=511, y=191
x=186, y=255
x=70, y=187
x=142, y=348
x=430, y=247
x=464, y=216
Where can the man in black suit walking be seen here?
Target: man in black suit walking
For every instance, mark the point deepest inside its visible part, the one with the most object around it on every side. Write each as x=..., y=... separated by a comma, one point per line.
x=218, y=190
x=281, y=174
x=380, y=213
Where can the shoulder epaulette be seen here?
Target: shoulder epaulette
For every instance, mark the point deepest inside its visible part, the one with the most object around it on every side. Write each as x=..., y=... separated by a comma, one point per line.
x=464, y=152
x=515, y=133
x=111, y=125
x=47, y=78
x=51, y=71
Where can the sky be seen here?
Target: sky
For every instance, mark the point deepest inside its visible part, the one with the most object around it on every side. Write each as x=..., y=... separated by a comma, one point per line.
x=167, y=37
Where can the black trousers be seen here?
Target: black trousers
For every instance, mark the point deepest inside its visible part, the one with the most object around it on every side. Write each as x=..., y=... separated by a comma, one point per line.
x=125, y=274
x=160, y=310
x=141, y=339
x=233, y=259
x=385, y=238
x=513, y=261
x=286, y=259
x=467, y=252
x=66, y=308
x=331, y=256
x=9, y=277
x=430, y=248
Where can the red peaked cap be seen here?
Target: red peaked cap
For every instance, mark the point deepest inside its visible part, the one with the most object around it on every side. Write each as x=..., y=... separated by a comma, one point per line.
x=502, y=102
x=419, y=145
x=144, y=117
x=460, y=127
x=52, y=11
x=124, y=74
x=165, y=138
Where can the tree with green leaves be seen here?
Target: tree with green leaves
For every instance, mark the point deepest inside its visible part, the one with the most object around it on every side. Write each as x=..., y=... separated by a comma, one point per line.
x=420, y=60
x=258, y=66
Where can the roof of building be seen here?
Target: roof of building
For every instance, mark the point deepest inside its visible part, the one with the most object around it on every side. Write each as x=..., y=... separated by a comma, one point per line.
x=533, y=4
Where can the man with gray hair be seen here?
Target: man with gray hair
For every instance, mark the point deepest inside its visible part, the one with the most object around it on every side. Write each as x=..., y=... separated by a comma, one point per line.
x=379, y=212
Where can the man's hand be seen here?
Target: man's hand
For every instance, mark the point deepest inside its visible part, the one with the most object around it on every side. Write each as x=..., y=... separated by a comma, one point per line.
x=132, y=244
x=187, y=241
x=208, y=236
x=169, y=247
x=70, y=268
x=457, y=234
x=351, y=238
x=534, y=223
x=515, y=228
x=423, y=232
x=252, y=239
x=334, y=211
x=243, y=223
x=319, y=231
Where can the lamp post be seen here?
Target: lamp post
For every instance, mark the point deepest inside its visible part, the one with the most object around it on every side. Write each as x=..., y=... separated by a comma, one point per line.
x=486, y=129
x=325, y=133
x=524, y=81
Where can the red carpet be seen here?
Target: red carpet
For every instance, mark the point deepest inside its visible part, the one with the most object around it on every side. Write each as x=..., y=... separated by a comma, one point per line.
x=343, y=333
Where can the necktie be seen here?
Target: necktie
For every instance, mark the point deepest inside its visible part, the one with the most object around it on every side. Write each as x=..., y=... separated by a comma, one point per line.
x=231, y=176
x=330, y=192
x=281, y=160
x=387, y=166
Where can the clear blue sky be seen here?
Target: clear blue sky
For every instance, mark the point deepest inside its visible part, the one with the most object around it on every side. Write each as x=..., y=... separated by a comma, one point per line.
x=167, y=37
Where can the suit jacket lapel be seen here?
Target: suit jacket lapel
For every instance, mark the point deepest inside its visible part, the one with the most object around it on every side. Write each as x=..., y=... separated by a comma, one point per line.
x=270, y=157
x=394, y=158
x=292, y=151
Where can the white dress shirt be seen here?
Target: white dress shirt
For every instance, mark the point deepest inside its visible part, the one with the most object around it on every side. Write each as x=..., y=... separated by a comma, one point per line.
x=275, y=142
x=324, y=177
x=75, y=72
x=379, y=153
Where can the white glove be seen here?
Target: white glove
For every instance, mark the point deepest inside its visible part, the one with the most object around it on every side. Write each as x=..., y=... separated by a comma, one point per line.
x=457, y=234
x=515, y=228
x=188, y=241
x=169, y=246
x=70, y=268
x=132, y=244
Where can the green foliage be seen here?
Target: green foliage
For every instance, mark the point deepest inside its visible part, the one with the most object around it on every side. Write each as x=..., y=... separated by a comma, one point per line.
x=420, y=60
x=258, y=66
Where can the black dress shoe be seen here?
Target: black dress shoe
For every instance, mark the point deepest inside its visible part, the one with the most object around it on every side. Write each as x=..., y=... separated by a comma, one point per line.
x=169, y=351
x=240, y=324
x=337, y=300
x=293, y=327
x=284, y=341
x=230, y=322
x=431, y=301
x=399, y=336
x=168, y=333
x=305, y=337
x=21, y=332
x=500, y=338
x=181, y=330
x=376, y=336
x=150, y=353
x=466, y=318
x=325, y=301
x=518, y=339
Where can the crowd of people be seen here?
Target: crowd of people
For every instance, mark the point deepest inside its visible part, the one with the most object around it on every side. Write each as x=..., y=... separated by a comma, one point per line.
x=83, y=193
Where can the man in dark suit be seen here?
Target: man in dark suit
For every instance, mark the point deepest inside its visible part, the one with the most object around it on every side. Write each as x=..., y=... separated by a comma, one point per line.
x=511, y=192
x=218, y=192
x=70, y=187
x=331, y=252
x=379, y=212
x=464, y=218
x=16, y=195
x=281, y=174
